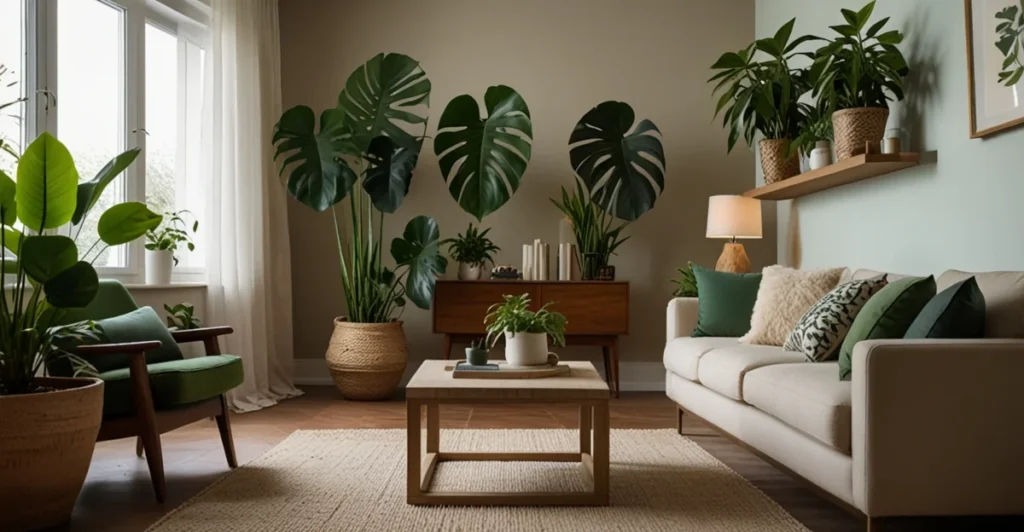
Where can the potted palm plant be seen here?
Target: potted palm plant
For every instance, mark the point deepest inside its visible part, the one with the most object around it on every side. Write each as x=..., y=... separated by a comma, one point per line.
x=48, y=425
x=472, y=251
x=857, y=74
x=597, y=233
x=525, y=331
x=364, y=151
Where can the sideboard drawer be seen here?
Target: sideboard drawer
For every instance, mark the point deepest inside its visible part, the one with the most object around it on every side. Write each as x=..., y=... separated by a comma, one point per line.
x=598, y=308
x=460, y=306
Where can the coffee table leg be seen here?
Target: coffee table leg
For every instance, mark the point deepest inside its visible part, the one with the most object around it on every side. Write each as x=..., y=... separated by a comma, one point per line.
x=586, y=419
x=601, y=452
x=433, y=428
x=413, y=451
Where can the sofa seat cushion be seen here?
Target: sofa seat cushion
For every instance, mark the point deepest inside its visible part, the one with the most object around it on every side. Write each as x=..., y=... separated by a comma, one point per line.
x=805, y=396
x=683, y=354
x=173, y=384
x=723, y=369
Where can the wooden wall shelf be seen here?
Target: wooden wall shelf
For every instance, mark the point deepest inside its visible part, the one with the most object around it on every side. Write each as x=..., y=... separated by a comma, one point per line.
x=840, y=173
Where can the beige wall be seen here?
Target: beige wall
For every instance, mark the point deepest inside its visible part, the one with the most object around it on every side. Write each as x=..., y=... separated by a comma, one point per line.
x=563, y=57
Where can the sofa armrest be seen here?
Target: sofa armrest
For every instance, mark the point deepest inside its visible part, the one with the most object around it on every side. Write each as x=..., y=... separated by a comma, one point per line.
x=681, y=317
x=937, y=427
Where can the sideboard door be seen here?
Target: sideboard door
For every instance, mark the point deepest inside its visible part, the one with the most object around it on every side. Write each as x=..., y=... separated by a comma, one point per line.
x=599, y=308
x=460, y=306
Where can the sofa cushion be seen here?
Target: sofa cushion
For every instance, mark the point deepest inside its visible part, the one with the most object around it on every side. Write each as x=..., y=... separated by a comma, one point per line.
x=726, y=301
x=784, y=296
x=722, y=369
x=1004, y=300
x=142, y=324
x=174, y=383
x=821, y=331
x=683, y=354
x=956, y=312
x=807, y=397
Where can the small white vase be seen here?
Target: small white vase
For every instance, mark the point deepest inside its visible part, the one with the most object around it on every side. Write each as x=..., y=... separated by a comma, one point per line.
x=159, y=264
x=526, y=349
x=821, y=155
x=469, y=272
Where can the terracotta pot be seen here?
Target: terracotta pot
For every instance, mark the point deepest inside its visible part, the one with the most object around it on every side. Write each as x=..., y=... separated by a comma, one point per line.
x=367, y=360
x=46, y=444
x=775, y=164
x=853, y=127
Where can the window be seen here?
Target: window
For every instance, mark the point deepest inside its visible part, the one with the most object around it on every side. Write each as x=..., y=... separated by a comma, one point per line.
x=12, y=83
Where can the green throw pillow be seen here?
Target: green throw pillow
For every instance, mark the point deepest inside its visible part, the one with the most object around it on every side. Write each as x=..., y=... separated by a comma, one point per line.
x=888, y=314
x=140, y=325
x=726, y=302
x=956, y=312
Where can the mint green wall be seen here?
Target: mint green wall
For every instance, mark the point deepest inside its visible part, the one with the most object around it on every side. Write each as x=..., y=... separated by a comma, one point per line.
x=964, y=209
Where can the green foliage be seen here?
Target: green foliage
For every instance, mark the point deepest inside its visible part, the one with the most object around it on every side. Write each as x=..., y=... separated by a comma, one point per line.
x=172, y=234
x=47, y=184
x=125, y=222
x=514, y=316
x=760, y=91
x=472, y=248
x=859, y=68
x=816, y=125
x=478, y=343
x=686, y=283
x=597, y=235
x=1011, y=41
x=182, y=316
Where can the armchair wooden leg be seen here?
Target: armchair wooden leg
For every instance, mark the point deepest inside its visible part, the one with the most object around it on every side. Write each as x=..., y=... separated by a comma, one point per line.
x=146, y=417
x=224, y=425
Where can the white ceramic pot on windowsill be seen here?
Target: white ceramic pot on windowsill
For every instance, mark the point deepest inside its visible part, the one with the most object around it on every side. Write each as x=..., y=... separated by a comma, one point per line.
x=159, y=264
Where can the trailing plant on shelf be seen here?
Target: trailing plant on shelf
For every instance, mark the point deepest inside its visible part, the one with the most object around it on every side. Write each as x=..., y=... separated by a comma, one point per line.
x=1010, y=27
x=472, y=250
x=513, y=316
x=686, y=282
x=182, y=316
x=597, y=233
x=172, y=233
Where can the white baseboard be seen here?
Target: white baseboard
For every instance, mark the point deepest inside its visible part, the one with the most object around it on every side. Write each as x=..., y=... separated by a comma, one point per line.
x=634, y=376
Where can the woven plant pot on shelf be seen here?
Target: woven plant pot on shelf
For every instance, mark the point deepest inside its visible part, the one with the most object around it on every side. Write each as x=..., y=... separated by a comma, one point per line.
x=853, y=127
x=46, y=444
x=367, y=360
x=774, y=163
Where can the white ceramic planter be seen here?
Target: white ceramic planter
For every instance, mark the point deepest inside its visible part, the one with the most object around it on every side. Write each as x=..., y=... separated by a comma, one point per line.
x=821, y=155
x=469, y=272
x=159, y=265
x=526, y=349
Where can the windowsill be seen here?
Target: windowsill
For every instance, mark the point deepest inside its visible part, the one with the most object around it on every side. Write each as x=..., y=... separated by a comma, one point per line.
x=172, y=286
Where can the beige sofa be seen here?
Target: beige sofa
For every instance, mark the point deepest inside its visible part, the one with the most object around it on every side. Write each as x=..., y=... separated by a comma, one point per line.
x=926, y=427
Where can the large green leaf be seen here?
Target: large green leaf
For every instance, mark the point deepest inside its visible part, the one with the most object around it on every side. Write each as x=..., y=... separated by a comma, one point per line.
x=90, y=191
x=47, y=184
x=12, y=239
x=389, y=172
x=382, y=97
x=418, y=249
x=320, y=179
x=624, y=171
x=125, y=222
x=75, y=287
x=483, y=160
x=8, y=204
x=46, y=256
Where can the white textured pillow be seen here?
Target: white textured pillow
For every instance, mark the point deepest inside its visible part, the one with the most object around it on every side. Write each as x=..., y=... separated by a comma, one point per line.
x=784, y=296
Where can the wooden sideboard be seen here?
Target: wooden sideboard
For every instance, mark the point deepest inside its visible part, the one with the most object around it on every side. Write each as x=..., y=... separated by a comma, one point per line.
x=597, y=312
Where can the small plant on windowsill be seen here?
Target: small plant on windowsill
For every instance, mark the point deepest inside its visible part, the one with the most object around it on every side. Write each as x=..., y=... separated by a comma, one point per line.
x=182, y=317
x=163, y=242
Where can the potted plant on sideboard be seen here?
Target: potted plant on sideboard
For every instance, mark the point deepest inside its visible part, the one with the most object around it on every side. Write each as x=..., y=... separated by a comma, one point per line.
x=382, y=101
x=525, y=331
x=163, y=242
x=48, y=425
x=472, y=251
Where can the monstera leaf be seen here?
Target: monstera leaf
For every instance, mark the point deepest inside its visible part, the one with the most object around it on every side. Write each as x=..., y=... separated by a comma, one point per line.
x=382, y=98
x=418, y=249
x=47, y=184
x=491, y=153
x=623, y=171
x=389, y=172
x=319, y=178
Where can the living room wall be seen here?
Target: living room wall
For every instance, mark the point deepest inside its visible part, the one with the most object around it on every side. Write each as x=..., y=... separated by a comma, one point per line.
x=563, y=57
x=959, y=209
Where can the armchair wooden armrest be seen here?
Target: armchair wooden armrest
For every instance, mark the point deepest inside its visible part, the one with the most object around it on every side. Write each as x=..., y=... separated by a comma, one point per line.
x=127, y=348
x=207, y=335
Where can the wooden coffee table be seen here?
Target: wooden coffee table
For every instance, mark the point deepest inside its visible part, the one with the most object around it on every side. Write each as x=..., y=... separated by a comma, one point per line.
x=433, y=386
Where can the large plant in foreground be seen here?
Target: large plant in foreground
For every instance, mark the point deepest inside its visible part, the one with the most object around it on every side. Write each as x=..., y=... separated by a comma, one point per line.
x=50, y=274
x=366, y=150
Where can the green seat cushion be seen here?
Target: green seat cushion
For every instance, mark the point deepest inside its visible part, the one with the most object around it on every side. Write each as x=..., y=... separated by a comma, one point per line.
x=173, y=384
x=726, y=302
x=888, y=314
x=140, y=325
x=956, y=312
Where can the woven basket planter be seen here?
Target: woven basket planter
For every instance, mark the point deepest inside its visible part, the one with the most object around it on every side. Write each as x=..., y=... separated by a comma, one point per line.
x=774, y=163
x=46, y=444
x=854, y=127
x=367, y=360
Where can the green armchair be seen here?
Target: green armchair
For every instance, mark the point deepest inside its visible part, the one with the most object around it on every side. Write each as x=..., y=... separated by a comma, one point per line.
x=149, y=387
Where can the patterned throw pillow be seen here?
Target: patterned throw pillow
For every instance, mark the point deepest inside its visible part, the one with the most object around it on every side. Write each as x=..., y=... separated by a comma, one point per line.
x=821, y=331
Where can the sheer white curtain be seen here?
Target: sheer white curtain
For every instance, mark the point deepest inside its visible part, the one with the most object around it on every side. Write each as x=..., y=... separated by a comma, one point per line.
x=249, y=262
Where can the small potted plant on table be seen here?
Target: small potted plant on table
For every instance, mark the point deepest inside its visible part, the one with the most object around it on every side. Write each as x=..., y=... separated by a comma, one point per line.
x=526, y=332
x=472, y=251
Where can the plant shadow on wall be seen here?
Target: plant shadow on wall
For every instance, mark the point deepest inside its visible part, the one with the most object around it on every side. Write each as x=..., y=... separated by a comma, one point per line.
x=923, y=88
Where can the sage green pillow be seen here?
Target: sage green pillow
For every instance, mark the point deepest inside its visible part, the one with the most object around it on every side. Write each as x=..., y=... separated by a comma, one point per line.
x=956, y=312
x=726, y=302
x=888, y=314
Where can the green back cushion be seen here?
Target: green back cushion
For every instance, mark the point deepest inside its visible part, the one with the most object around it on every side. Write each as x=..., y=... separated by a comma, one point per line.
x=112, y=299
x=888, y=314
x=956, y=312
x=726, y=302
x=140, y=325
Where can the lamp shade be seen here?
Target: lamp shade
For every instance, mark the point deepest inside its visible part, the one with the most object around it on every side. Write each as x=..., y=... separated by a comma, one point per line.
x=734, y=217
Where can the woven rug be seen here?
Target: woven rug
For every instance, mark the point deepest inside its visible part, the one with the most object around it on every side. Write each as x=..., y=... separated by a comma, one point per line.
x=355, y=480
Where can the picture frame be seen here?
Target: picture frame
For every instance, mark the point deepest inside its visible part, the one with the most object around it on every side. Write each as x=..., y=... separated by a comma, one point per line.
x=993, y=105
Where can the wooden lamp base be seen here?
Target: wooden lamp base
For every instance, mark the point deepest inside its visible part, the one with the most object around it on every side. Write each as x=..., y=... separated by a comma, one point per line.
x=733, y=259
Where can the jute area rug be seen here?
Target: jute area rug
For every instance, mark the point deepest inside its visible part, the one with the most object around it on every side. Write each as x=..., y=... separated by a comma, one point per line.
x=332, y=480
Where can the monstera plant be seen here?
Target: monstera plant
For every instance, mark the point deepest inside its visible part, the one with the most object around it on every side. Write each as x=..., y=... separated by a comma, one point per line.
x=365, y=150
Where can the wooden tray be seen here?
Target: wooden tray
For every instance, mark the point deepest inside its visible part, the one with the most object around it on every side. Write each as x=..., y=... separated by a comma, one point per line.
x=505, y=371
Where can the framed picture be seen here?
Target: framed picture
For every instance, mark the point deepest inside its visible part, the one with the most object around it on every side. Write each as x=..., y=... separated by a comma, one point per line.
x=995, y=64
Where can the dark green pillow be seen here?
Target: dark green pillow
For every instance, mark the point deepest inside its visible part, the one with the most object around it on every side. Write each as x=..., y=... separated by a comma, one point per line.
x=956, y=312
x=140, y=325
x=888, y=314
x=726, y=302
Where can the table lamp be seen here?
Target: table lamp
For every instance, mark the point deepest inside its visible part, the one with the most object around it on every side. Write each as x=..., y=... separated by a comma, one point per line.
x=733, y=217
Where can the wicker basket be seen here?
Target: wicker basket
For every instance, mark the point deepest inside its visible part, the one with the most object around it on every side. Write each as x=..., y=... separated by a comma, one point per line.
x=774, y=163
x=367, y=360
x=854, y=127
x=46, y=444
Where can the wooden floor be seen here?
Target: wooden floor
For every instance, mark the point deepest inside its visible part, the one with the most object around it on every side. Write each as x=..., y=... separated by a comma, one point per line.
x=118, y=495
